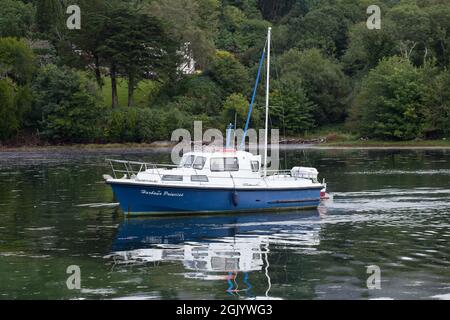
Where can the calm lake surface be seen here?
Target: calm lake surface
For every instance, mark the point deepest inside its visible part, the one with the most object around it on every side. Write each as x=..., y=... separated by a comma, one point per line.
x=391, y=208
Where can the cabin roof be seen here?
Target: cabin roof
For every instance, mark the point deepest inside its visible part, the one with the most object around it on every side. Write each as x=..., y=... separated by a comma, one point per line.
x=223, y=153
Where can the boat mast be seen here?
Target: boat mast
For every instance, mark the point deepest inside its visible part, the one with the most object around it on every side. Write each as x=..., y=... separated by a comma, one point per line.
x=267, y=101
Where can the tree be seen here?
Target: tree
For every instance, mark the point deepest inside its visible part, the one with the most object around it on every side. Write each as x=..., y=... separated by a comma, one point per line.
x=8, y=120
x=68, y=105
x=136, y=45
x=16, y=60
x=16, y=18
x=322, y=28
x=412, y=30
x=291, y=110
x=323, y=81
x=326, y=27
x=368, y=47
x=191, y=22
x=437, y=103
x=229, y=73
x=248, y=7
x=390, y=103
x=49, y=17
x=236, y=105
x=89, y=39
x=440, y=37
x=239, y=33
x=276, y=9
x=16, y=69
x=198, y=95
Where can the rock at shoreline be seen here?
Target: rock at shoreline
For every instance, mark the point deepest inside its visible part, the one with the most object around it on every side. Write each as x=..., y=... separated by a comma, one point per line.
x=303, y=141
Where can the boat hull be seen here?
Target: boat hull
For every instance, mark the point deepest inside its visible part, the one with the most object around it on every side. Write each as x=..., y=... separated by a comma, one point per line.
x=150, y=199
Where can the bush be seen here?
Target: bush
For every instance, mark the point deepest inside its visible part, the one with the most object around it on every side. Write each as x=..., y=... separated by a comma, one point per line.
x=142, y=124
x=198, y=95
x=154, y=124
x=16, y=70
x=149, y=126
x=68, y=104
x=323, y=82
x=291, y=109
x=8, y=120
x=16, y=60
x=236, y=104
x=120, y=125
x=390, y=103
x=437, y=105
x=16, y=19
x=229, y=73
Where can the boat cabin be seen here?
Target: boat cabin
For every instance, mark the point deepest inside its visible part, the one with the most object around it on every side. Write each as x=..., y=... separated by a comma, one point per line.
x=226, y=167
x=227, y=161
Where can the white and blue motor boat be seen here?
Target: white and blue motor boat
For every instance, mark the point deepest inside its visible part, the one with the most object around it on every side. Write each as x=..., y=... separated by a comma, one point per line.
x=206, y=182
x=215, y=180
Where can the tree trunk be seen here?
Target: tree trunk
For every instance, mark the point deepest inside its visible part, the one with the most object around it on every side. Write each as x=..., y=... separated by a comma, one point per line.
x=98, y=75
x=130, y=90
x=113, y=74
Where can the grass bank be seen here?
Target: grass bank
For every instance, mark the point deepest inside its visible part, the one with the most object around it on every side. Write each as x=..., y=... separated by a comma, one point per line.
x=141, y=94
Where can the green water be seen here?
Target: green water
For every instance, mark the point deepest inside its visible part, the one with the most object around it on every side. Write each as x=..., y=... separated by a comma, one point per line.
x=391, y=208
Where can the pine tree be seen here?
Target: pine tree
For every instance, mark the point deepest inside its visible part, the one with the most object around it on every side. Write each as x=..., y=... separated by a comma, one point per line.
x=49, y=16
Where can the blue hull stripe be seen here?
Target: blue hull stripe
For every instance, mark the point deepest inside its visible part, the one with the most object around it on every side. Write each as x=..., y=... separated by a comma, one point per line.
x=164, y=199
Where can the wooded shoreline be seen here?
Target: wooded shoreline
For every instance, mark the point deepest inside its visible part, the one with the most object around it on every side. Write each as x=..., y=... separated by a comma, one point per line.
x=138, y=70
x=300, y=144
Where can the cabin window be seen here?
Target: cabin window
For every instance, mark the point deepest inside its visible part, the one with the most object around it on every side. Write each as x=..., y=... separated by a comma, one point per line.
x=198, y=178
x=231, y=164
x=199, y=163
x=224, y=164
x=217, y=164
x=172, y=178
x=255, y=166
x=189, y=160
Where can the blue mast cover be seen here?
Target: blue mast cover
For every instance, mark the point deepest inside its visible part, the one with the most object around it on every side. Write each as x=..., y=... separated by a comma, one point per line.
x=253, y=98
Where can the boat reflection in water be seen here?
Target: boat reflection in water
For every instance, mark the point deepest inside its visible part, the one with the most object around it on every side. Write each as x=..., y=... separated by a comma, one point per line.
x=217, y=247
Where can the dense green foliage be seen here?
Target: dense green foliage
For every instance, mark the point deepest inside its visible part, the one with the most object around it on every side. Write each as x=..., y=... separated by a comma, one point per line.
x=16, y=18
x=328, y=68
x=49, y=16
x=391, y=101
x=67, y=105
x=8, y=121
x=229, y=73
x=437, y=104
x=16, y=69
x=235, y=108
